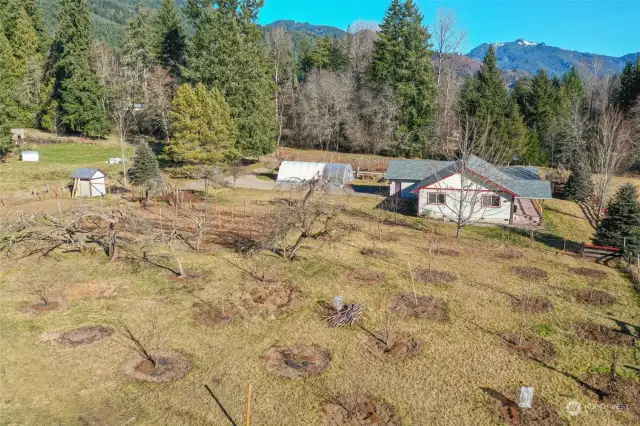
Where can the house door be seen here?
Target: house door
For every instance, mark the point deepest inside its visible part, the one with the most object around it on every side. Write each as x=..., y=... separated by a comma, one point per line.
x=398, y=187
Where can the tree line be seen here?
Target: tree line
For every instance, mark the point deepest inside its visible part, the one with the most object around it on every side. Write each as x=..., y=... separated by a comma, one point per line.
x=224, y=87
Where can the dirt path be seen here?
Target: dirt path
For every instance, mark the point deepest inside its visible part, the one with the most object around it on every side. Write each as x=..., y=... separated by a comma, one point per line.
x=48, y=206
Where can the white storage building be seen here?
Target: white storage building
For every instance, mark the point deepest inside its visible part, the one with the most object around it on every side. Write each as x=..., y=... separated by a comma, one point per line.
x=89, y=182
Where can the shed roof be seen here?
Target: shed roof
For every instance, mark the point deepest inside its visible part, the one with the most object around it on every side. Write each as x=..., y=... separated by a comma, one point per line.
x=85, y=173
x=522, y=181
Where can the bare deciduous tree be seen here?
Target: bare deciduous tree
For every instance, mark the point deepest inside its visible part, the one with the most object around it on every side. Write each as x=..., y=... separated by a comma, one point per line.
x=362, y=35
x=158, y=103
x=301, y=220
x=610, y=151
x=449, y=42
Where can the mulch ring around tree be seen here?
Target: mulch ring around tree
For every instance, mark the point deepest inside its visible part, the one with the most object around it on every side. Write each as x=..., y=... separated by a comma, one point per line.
x=595, y=297
x=588, y=272
x=622, y=392
x=208, y=315
x=433, y=276
x=170, y=366
x=271, y=296
x=510, y=255
x=43, y=308
x=530, y=346
x=390, y=345
x=529, y=272
x=426, y=307
x=84, y=335
x=533, y=304
x=603, y=335
x=377, y=253
x=298, y=361
x=444, y=252
x=358, y=410
x=366, y=276
x=506, y=411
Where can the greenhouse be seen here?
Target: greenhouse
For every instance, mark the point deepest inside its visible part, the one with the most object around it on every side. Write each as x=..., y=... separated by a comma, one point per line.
x=300, y=171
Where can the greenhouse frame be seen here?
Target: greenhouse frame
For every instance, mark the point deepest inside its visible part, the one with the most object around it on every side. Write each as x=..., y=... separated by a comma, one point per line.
x=333, y=174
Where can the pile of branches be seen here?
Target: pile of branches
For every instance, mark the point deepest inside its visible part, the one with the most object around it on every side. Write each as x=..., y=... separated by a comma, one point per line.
x=28, y=234
x=349, y=314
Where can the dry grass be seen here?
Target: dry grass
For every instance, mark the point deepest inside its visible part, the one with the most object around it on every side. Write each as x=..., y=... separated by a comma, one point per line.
x=441, y=385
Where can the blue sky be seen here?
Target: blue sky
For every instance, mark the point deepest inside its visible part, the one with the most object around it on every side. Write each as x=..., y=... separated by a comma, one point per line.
x=608, y=27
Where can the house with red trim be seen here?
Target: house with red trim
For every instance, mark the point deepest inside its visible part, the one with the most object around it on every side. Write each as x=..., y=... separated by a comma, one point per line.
x=472, y=189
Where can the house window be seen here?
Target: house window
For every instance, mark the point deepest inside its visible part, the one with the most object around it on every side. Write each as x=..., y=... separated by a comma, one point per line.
x=436, y=198
x=490, y=201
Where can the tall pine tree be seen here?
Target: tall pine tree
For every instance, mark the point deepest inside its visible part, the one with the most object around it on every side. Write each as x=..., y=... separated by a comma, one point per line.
x=628, y=90
x=171, y=41
x=76, y=93
x=485, y=103
x=228, y=52
x=402, y=60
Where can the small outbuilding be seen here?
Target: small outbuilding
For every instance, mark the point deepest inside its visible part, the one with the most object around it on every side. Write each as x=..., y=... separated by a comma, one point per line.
x=89, y=182
x=302, y=171
x=29, y=156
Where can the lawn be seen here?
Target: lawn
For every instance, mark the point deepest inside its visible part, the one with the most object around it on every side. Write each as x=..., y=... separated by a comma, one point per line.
x=56, y=164
x=461, y=367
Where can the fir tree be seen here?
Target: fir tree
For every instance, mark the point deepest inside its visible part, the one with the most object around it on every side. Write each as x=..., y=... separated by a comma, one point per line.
x=579, y=184
x=305, y=61
x=203, y=130
x=75, y=87
x=171, y=38
x=138, y=54
x=146, y=171
x=622, y=220
x=484, y=98
x=321, y=55
x=401, y=59
x=629, y=87
x=227, y=52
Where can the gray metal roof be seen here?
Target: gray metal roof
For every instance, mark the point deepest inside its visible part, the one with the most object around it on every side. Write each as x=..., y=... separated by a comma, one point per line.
x=523, y=181
x=413, y=169
x=85, y=173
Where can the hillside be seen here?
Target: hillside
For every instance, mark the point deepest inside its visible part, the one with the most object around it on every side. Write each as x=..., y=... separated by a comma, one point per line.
x=305, y=27
x=523, y=55
x=108, y=17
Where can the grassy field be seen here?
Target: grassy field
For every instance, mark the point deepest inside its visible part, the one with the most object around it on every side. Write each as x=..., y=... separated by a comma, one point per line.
x=56, y=164
x=461, y=362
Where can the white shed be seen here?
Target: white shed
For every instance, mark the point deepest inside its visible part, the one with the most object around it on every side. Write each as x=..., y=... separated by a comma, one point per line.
x=89, y=182
x=29, y=156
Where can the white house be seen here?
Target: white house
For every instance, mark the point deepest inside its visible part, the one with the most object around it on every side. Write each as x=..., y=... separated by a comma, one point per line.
x=89, y=182
x=473, y=190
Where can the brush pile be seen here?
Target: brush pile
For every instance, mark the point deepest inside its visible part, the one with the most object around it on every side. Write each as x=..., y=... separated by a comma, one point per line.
x=348, y=315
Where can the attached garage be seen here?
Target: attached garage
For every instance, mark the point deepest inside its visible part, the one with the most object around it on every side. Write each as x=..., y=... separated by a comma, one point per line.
x=89, y=182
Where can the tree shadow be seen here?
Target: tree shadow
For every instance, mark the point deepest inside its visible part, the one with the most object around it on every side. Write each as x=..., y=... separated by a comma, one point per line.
x=626, y=328
x=589, y=214
x=370, y=189
x=598, y=392
x=499, y=396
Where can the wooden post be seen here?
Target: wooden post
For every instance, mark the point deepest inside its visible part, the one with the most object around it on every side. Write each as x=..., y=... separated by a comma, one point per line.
x=60, y=210
x=248, y=418
x=244, y=210
x=219, y=221
x=232, y=213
